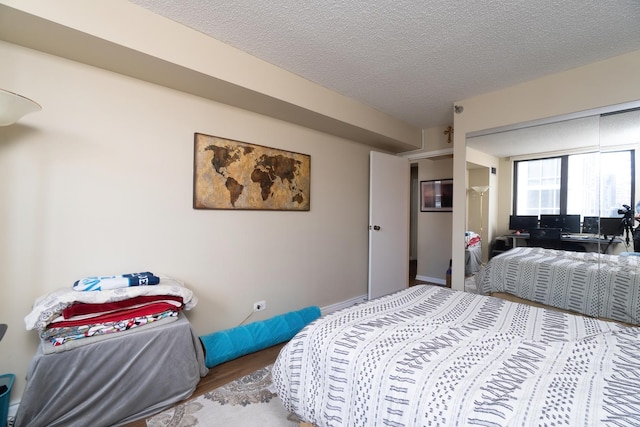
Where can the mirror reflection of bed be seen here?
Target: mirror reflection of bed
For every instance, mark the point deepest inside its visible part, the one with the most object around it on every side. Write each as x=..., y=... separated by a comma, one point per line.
x=600, y=132
x=587, y=283
x=550, y=238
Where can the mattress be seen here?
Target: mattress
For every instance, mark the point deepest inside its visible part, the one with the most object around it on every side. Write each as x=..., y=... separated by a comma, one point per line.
x=428, y=356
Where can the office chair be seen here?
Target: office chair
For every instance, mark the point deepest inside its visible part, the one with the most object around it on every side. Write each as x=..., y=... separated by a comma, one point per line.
x=549, y=238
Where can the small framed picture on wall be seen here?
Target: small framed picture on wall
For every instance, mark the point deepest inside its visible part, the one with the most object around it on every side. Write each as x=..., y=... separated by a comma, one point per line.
x=436, y=195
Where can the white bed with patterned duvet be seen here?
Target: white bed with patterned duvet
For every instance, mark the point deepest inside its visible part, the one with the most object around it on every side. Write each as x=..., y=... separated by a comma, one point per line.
x=432, y=356
x=590, y=283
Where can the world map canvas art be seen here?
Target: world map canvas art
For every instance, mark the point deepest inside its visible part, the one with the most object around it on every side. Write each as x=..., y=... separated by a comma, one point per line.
x=231, y=174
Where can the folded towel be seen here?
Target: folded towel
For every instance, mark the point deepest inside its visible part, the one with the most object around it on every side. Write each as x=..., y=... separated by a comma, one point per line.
x=103, y=283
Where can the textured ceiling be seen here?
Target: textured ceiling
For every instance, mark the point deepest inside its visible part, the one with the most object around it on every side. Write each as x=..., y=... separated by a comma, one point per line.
x=413, y=58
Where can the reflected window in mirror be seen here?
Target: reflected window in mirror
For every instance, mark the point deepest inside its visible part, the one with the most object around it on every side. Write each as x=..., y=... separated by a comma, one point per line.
x=588, y=184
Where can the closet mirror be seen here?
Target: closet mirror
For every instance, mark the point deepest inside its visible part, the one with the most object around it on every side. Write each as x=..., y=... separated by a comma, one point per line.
x=566, y=174
x=567, y=185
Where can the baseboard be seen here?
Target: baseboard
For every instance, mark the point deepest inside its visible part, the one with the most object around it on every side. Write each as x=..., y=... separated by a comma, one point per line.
x=431, y=280
x=344, y=304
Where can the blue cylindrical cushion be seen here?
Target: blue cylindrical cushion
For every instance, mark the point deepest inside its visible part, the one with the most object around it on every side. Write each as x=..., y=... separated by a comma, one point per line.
x=229, y=344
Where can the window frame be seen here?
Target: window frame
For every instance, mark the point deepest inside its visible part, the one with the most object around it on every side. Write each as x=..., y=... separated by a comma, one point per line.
x=564, y=177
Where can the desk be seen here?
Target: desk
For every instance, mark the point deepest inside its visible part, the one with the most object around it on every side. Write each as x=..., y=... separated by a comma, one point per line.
x=570, y=238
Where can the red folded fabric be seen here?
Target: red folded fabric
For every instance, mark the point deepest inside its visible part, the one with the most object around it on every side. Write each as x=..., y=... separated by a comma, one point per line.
x=80, y=309
x=114, y=316
x=473, y=241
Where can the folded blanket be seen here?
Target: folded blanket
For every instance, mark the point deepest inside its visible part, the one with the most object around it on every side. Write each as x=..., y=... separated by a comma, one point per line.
x=59, y=336
x=119, y=315
x=471, y=239
x=50, y=306
x=95, y=283
x=48, y=347
x=87, y=310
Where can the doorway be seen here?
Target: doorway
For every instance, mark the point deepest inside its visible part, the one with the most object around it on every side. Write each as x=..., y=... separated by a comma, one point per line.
x=413, y=223
x=430, y=231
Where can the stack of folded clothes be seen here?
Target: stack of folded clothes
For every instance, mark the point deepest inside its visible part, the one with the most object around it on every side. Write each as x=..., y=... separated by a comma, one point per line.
x=103, y=283
x=95, y=308
x=471, y=239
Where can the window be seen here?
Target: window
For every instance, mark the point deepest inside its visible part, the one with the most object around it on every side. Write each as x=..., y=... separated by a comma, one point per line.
x=538, y=187
x=590, y=184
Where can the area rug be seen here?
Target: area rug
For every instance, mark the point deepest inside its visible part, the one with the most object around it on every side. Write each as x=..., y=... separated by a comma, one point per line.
x=247, y=402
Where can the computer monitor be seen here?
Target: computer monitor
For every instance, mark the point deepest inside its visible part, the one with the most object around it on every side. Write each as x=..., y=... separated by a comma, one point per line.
x=590, y=225
x=523, y=223
x=611, y=226
x=568, y=223
x=550, y=221
x=571, y=224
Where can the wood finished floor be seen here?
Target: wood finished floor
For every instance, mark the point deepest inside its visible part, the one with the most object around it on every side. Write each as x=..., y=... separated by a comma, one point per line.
x=229, y=371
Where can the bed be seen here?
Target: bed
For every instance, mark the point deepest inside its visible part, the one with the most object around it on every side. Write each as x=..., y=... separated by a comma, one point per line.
x=111, y=372
x=589, y=283
x=430, y=355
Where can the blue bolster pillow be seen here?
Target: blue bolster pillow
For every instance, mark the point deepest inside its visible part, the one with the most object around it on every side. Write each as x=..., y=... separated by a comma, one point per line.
x=229, y=344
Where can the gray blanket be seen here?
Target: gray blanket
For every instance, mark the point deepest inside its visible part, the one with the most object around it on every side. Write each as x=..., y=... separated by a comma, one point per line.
x=113, y=381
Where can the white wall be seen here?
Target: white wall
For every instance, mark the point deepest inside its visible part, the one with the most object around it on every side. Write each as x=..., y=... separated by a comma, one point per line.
x=100, y=182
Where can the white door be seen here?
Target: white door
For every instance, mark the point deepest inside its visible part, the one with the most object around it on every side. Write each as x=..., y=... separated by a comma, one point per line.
x=389, y=188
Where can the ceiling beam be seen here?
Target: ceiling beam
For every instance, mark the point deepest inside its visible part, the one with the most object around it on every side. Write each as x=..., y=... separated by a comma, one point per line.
x=151, y=48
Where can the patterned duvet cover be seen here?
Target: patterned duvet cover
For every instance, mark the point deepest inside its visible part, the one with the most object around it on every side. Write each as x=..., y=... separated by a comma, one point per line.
x=432, y=356
x=598, y=285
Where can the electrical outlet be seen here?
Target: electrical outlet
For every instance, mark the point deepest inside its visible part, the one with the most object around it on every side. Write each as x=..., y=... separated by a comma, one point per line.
x=259, y=306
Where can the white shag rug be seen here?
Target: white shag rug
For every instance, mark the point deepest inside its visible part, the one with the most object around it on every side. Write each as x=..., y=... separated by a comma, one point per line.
x=247, y=402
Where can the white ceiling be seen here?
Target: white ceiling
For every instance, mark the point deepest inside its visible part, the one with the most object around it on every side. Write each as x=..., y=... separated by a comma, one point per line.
x=413, y=58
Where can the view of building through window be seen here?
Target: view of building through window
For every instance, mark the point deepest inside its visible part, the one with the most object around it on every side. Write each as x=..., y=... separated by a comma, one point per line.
x=538, y=190
x=597, y=184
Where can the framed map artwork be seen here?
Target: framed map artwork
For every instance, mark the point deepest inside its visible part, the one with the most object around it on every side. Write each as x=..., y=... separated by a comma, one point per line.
x=230, y=174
